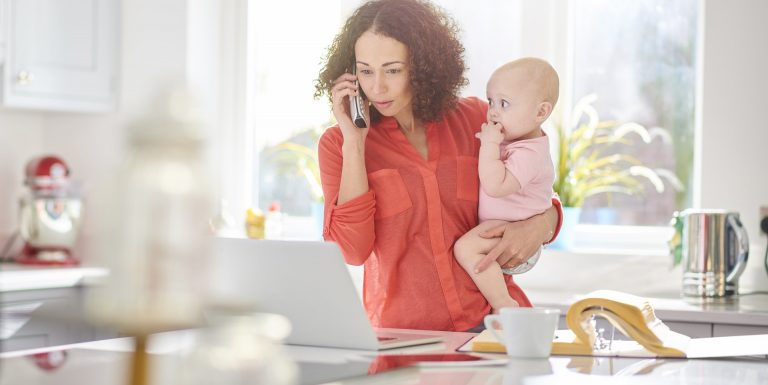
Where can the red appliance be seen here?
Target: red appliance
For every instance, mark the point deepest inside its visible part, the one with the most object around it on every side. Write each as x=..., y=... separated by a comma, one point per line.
x=49, y=214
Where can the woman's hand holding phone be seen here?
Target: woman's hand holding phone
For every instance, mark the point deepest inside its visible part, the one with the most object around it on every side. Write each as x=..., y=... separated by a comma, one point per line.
x=354, y=180
x=344, y=88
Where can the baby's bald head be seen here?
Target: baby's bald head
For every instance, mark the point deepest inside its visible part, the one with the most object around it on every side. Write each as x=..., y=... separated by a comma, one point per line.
x=535, y=72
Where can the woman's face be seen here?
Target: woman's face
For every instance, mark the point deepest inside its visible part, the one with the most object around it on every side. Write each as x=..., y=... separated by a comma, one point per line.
x=382, y=73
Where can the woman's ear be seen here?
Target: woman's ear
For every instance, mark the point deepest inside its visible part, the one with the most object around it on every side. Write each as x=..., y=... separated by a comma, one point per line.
x=543, y=112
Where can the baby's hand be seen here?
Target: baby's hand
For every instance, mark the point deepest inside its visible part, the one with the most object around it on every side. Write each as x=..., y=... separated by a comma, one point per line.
x=508, y=303
x=490, y=133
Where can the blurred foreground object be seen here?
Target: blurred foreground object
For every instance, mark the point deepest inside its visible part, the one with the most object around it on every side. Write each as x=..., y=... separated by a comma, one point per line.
x=240, y=348
x=158, y=230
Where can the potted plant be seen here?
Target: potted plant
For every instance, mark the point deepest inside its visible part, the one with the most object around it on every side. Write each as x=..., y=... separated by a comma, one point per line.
x=295, y=160
x=304, y=162
x=588, y=164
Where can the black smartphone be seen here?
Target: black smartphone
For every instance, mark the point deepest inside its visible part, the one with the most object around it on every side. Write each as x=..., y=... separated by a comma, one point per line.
x=356, y=108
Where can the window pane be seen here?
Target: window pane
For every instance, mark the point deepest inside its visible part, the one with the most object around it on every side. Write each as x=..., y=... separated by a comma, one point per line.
x=287, y=120
x=639, y=57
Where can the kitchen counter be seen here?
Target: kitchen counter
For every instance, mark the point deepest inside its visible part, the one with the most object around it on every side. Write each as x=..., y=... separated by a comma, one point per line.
x=42, y=306
x=106, y=363
x=750, y=310
x=15, y=277
x=746, y=315
x=744, y=310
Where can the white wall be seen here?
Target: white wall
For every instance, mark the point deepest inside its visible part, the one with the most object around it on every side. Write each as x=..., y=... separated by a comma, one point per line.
x=153, y=42
x=734, y=131
x=20, y=138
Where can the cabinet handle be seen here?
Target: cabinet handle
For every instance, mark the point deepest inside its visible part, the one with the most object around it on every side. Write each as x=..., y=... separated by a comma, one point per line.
x=25, y=77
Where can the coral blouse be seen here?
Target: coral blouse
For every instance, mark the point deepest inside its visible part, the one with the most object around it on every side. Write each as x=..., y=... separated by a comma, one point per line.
x=403, y=229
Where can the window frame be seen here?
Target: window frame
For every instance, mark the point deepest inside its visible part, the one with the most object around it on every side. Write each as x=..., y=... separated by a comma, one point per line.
x=233, y=150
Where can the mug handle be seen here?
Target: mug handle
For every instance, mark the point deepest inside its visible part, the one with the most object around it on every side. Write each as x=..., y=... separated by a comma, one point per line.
x=743, y=240
x=488, y=321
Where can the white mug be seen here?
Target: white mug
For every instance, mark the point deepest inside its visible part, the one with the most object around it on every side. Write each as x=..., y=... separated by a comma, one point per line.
x=527, y=332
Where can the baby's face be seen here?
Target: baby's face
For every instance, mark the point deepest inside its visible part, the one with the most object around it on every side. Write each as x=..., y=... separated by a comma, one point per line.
x=513, y=102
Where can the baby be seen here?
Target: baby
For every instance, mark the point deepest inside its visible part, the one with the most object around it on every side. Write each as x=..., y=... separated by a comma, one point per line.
x=515, y=166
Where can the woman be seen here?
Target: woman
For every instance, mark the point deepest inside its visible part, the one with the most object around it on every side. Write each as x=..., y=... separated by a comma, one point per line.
x=401, y=191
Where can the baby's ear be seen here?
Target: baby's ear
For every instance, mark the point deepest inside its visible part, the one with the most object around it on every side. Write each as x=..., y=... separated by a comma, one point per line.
x=545, y=109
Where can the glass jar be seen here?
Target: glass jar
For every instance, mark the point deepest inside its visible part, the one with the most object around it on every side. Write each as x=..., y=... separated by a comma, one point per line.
x=156, y=226
x=240, y=349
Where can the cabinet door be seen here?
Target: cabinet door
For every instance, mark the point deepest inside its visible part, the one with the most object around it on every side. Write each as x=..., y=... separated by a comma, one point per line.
x=691, y=329
x=60, y=54
x=724, y=330
x=3, y=33
x=47, y=317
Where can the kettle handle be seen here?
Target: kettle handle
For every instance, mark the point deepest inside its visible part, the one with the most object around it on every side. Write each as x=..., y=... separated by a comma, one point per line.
x=743, y=241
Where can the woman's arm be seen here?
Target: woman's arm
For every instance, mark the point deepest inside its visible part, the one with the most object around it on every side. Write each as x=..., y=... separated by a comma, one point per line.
x=354, y=179
x=349, y=203
x=348, y=222
x=521, y=239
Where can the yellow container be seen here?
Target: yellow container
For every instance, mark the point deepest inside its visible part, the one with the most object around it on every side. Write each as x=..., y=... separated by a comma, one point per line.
x=254, y=224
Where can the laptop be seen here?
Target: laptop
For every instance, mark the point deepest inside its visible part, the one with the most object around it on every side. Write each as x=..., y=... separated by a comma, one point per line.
x=306, y=281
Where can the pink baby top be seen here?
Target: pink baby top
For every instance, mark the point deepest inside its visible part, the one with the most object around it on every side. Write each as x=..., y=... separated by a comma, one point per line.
x=530, y=162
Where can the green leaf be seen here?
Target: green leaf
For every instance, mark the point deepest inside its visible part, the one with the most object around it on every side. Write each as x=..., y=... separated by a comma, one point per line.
x=585, y=167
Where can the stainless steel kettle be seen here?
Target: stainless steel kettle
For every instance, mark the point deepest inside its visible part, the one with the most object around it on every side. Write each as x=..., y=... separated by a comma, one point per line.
x=715, y=247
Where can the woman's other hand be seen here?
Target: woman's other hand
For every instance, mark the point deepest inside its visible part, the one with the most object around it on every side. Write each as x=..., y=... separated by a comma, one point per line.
x=344, y=87
x=519, y=240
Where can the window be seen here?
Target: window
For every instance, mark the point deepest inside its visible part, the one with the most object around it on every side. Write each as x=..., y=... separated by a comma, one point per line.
x=637, y=57
x=286, y=119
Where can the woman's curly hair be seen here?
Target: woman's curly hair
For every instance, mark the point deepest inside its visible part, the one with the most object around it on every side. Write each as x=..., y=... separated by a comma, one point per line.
x=435, y=53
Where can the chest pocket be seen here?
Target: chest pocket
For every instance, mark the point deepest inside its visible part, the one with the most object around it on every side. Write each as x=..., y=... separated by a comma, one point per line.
x=391, y=195
x=467, y=181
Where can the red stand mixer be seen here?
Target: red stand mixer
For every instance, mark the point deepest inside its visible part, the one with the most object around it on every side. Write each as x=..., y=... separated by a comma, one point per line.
x=49, y=214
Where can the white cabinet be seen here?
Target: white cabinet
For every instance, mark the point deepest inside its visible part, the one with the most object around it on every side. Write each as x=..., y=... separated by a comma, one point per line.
x=47, y=317
x=722, y=330
x=60, y=54
x=3, y=24
x=691, y=329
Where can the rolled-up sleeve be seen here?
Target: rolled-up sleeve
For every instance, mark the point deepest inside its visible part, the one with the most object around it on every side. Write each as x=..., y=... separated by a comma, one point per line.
x=559, y=207
x=350, y=224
